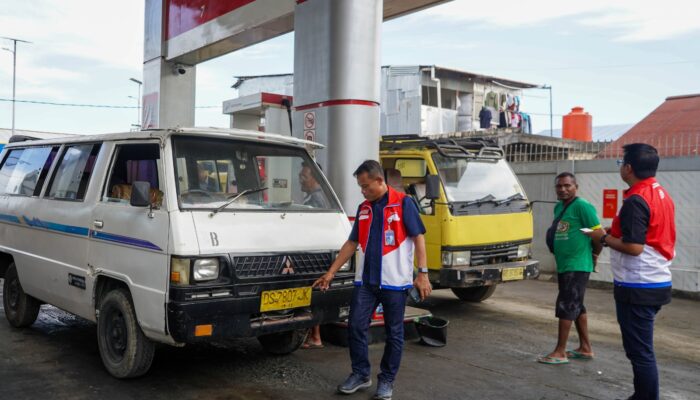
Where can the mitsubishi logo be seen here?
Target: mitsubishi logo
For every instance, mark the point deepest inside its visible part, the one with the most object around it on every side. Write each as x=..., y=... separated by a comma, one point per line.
x=288, y=268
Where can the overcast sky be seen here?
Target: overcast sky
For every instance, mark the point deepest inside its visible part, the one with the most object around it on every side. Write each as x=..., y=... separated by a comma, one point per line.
x=618, y=59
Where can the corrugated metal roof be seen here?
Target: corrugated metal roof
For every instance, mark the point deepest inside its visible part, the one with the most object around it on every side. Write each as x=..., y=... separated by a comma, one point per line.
x=673, y=128
x=438, y=69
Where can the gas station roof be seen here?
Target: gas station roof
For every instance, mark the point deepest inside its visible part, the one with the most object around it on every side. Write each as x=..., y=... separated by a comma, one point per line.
x=202, y=33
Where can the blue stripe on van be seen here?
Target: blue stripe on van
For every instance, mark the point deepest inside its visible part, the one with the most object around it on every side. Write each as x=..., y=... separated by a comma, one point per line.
x=53, y=226
x=78, y=230
x=9, y=218
x=109, y=237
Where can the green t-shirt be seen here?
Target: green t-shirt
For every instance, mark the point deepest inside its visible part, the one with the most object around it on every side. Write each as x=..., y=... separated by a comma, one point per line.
x=572, y=249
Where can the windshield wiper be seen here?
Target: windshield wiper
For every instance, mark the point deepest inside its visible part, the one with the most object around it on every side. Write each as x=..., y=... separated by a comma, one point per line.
x=479, y=202
x=516, y=196
x=236, y=197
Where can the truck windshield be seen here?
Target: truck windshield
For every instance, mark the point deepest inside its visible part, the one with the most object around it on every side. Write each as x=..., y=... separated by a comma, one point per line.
x=212, y=172
x=476, y=182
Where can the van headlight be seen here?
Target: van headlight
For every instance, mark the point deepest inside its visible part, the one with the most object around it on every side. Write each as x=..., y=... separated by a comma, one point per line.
x=184, y=270
x=205, y=269
x=523, y=251
x=456, y=258
x=348, y=264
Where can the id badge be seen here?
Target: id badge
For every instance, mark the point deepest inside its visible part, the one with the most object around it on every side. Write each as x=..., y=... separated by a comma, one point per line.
x=389, y=238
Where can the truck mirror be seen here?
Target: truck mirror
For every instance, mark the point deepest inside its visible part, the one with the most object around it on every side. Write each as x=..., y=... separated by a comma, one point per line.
x=140, y=194
x=432, y=187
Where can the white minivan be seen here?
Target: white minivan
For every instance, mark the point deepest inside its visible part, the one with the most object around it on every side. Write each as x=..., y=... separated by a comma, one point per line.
x=172, y=236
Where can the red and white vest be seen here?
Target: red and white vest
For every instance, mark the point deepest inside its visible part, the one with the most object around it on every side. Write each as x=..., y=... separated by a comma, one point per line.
x=651, y=268
x=397, y=259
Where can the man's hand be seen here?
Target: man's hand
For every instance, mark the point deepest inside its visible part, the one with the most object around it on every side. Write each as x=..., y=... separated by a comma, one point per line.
x=324, y=282
x=423, y=285
x=596, y=234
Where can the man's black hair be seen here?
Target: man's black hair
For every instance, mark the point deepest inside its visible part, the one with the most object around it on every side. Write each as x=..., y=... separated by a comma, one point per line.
x=566, y=175
x=643, y=158
x=371, y=167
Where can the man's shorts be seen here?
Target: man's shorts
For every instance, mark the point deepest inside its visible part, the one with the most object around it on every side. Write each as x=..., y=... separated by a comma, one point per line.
x=572, y=288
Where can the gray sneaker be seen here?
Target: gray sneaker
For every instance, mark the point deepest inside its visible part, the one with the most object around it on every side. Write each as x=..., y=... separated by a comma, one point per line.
x=354, y=383
x=384, y=390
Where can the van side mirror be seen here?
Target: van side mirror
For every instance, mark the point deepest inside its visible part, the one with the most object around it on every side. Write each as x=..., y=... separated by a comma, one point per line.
x=140, y=194
x=432, y=187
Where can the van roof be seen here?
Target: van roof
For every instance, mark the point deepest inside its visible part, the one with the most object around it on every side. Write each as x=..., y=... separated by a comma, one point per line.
x=165, y=133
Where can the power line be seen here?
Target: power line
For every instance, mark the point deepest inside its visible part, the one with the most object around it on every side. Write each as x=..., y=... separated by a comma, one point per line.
x=49, y=103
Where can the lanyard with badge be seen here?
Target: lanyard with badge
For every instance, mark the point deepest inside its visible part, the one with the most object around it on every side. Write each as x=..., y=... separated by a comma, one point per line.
x=389, y=235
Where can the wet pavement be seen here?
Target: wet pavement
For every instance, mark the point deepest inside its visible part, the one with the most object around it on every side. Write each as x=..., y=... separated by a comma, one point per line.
x=491, y=352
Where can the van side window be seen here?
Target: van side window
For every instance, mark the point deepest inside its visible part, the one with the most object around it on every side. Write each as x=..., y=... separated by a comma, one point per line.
x=24, y=170
x=133, y=162
x=71, y=178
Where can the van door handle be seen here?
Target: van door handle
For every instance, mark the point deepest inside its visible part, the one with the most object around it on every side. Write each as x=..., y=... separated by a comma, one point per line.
x=98, y=223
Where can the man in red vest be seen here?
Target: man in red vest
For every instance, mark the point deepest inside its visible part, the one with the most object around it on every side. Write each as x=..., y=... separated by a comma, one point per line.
x=386, y=232
x=642, y=244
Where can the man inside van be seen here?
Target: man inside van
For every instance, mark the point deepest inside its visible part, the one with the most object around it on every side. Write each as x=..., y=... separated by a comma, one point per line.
x=314, y=196
x=387, y=229
x=575, y=255
x=642, y=244
x=206, y=183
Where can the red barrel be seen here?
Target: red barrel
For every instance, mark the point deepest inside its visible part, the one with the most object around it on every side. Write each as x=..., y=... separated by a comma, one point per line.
x=578, y=125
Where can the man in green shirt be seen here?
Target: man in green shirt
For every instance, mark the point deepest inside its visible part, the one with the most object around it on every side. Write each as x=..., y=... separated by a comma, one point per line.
x=576, y=256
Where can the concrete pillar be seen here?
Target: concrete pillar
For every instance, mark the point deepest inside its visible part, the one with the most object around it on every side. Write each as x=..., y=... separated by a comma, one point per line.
x=337, y=86
x=168, y=88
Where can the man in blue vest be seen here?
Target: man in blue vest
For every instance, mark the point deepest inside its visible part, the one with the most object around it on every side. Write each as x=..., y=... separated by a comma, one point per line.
x=386, y=232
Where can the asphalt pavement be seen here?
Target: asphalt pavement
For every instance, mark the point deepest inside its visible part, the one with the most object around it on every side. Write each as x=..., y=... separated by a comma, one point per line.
x=491, y=352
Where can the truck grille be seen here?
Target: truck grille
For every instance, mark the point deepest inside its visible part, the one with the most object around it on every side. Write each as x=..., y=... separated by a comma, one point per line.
x=495, y=254
x=281, y=264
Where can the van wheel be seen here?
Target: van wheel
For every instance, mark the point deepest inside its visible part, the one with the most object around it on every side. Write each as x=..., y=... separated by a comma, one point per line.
x=21, y=309
x=126, y=352
x=284, y=342
x=474, y=294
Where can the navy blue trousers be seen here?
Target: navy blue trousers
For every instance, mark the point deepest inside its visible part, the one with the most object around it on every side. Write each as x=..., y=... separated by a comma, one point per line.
x=637, y=328
x=365, y=300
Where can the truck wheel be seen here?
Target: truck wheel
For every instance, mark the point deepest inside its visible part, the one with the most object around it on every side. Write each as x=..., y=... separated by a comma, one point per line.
x=474, y=294
x=21, y=309
x=284, y=342
x=126, y=352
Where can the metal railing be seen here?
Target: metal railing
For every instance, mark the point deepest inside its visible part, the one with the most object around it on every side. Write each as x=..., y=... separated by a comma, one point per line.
x=686, y=144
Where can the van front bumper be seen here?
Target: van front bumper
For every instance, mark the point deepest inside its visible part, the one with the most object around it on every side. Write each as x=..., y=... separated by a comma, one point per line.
x=493, y=274
x=241, y=317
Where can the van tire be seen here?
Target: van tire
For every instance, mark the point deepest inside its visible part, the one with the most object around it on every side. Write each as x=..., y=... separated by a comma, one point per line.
x=125, y=351
x=21, y=309
x=283, y=342
x=474, y=294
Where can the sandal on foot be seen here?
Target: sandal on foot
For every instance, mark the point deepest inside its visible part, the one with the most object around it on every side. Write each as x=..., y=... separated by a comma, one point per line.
x=577, y=355
x=552, y=360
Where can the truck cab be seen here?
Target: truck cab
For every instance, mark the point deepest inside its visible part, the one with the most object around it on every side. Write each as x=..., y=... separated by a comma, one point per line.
x=477, y=216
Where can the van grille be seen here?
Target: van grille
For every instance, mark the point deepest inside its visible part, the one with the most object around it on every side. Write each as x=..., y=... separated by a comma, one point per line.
x=495, y=254
x=281, y=264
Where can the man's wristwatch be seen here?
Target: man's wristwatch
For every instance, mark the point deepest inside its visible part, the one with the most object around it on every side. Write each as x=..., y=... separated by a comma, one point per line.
x=423, y=270
x=602, y=240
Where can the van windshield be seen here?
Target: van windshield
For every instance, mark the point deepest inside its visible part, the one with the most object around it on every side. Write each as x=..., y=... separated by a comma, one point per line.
x=251, y=176
x=477, y=182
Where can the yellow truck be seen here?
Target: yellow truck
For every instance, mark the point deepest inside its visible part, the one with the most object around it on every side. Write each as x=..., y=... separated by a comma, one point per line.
x=477, y=216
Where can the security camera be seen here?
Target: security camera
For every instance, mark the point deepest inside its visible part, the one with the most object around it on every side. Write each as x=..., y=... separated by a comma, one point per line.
x=179, y=69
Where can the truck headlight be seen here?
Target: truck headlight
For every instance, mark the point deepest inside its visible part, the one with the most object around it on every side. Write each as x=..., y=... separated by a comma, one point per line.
x=523, y=251
x=205, y=269
x=456, y=258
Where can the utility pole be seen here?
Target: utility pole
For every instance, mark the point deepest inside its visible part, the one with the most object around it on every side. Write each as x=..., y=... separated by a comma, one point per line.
x=138, y=103
x=14, y=69
x=549, y=87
